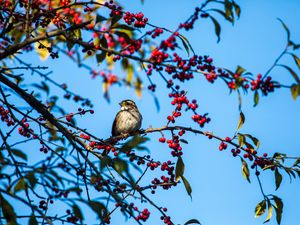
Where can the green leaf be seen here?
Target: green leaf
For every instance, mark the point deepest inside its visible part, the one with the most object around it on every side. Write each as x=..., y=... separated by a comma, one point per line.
x=100, y=18
x=127, y=38
x=134, y=143
x=260, y=208
x=245, y=170
x=253, y=139
x=104, y=43
x=98, y=208
x=240, y=70
x=286, y=29
x=105, y=161
x=120, y=165
x=296, y=162
x=129, y=74
x=19, y=154
x=32, y=220
x=256, y=98
x=187, y=45
x=187, y=186
x=70, y=44
x=43, y=86
x=31, y=178
x=77, y=212
x=278, y=208
x=217, y=27
x=123, y=27
x=292, y=72
x=230, y=19
x=179, y=170
x=228, y=9
x=21, y=185
x=296, y=59
x=183, y=141
x=241, y=139
x=115, y=19
x=8, y=211
x=237, y=9
x=100, y=57
x=270, y=211
x=278, y=178
x=241, y=120
x=192, y=221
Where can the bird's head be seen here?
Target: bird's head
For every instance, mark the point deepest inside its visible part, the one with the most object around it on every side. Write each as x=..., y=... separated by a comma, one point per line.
x=127, y=104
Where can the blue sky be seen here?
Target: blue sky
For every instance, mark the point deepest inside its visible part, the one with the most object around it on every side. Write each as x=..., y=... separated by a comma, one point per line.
x=220, y=194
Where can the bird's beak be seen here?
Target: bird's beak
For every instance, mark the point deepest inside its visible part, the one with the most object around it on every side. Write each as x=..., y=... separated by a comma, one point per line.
x=120, y=103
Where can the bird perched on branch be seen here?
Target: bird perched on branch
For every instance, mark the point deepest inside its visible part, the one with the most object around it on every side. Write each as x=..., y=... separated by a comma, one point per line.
x=128, y=120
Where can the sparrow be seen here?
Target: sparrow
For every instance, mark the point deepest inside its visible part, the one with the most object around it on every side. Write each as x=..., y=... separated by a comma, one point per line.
x=128, y=120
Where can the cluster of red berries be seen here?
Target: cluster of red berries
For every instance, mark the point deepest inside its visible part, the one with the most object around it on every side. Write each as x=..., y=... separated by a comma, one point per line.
x=170, y=43
x=71, y=217
x=153, y=165
x=165, y=182
x=166, y=219
x=62, y=193
x=57, y=21
x=134, y=46
x=190, y=24
x=5, y=3
x=222, y=146
x=69, y=117
x=120, y=188
x=201, y=120
x=179, y=99
x=43, y=205
x=64, y=167
x=137, y=19
x=99, y=183
x=155, y=33
x=158, y=56
x=65, y=2
x=106, y=148
x=203, y=63
x=211, y=77
x=167, y=166
x=152, y=87
x=115, y=10
x=175, y=145
x=5, y=116
x=44, y=149
x=144, y=215
x=266, y=85
x=262, y=162
x=24, y=130
x=235, y=152
x=86, y=137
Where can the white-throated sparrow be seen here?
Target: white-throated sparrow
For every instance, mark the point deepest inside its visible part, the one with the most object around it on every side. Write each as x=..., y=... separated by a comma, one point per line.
x=128, y=119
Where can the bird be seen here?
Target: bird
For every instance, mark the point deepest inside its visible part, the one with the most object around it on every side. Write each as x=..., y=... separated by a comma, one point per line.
x=128, y=120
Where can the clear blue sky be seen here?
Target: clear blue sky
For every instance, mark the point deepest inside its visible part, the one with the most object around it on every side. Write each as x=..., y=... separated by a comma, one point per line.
x=220, y=194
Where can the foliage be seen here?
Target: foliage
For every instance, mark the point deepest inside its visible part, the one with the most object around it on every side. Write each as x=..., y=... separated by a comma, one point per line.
x=74, y=163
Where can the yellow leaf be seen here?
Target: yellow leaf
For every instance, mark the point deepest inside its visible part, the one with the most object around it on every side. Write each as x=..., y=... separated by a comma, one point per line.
x=105, y=87
x=138, y=87
x=41, y=48
x=260, y=208
x=110, y=62
x=129, y=74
